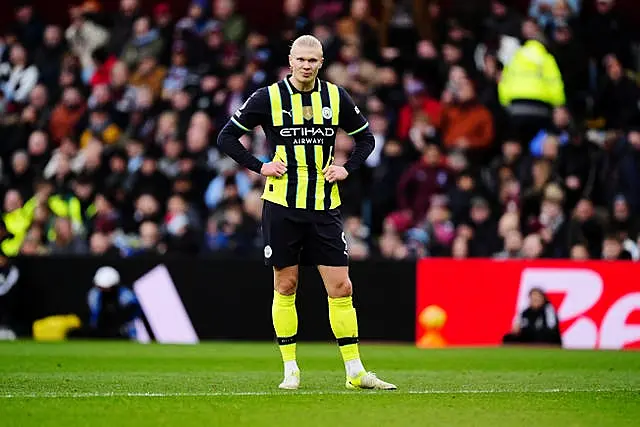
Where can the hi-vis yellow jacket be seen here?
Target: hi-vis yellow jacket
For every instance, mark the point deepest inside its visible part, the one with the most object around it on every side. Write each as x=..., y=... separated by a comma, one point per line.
x=532, y=74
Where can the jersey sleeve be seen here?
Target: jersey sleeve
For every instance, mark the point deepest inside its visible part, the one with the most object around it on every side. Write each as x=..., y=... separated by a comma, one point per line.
x=253, y=112
x=351, y=119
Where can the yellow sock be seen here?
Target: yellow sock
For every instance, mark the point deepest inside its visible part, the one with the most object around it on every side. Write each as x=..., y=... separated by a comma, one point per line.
x=344, y=324
x=285, y=323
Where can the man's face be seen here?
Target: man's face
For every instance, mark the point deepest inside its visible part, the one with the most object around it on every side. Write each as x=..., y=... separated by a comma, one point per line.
x=18, y=55
x=63, y=229
x=38, y=96
x=52, y=36
x=479, y=214
x=119, y=75
x=305, y=63
x=551, y=209
x=634, y=139
x=149, y=234
x=536, y=300
x=621, y=210
x=513, y=241
x=141, y=26
x=611, y=249
x=128, y=6
x=562, y=35
x=498, y=9
x=83, y=190
x=604, y=6
x=24, y=14
x=561, y=117
x=432, y=155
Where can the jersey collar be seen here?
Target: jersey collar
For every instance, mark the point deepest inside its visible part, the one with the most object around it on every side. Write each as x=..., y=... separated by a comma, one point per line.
x=292, y=89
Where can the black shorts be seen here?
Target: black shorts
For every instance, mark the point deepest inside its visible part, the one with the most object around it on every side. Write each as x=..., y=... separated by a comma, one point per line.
x=302, y=237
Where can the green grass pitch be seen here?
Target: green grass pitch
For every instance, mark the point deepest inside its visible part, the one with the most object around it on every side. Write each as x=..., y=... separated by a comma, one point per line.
x=235, y=384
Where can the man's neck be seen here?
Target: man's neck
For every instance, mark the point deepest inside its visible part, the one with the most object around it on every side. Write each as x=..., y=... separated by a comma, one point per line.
x=302, y=87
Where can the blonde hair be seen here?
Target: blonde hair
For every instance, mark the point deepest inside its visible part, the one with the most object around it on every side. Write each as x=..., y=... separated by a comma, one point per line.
x=306, y=41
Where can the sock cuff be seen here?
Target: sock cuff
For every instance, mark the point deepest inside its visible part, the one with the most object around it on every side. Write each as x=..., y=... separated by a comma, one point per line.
x=347, y=341
x=287, y=340
x=341, y=302
x=284, y=300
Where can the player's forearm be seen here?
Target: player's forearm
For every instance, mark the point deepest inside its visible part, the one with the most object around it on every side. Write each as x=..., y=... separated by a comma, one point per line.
x=365, y=142
x=229, y=143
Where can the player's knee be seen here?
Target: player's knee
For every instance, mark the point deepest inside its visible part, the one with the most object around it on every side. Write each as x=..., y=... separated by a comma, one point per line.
x=342, y=289
x=286, y=285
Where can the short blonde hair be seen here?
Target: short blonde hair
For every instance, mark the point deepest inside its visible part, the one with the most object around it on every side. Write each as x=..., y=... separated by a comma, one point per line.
x=306, y=41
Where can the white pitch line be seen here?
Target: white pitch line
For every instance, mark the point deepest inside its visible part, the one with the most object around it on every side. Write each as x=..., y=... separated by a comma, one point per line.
x=54, y=395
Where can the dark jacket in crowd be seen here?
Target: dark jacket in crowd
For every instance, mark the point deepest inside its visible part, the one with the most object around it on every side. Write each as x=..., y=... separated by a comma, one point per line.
x=537, y=327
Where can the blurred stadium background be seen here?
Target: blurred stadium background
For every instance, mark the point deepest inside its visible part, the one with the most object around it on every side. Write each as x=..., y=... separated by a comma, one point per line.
x=487, y=181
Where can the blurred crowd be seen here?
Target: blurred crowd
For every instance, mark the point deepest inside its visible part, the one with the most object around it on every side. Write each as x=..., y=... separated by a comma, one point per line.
x=500, y=132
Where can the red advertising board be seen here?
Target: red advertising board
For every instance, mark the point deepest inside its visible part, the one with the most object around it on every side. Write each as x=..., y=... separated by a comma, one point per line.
x=474, y=302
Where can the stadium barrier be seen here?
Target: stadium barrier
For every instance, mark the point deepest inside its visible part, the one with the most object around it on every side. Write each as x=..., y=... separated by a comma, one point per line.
x=474, y=302
x=190, y=299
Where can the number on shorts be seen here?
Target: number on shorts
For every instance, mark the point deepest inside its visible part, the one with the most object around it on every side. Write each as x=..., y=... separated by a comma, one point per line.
x=346, y=248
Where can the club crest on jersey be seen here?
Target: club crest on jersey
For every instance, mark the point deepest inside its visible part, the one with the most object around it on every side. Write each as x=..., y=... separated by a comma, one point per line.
x=327, y=113
x=307, y=113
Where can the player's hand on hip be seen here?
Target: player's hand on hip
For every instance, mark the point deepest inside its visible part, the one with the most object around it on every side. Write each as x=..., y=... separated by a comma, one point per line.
x=275, y=168
x=335, y=173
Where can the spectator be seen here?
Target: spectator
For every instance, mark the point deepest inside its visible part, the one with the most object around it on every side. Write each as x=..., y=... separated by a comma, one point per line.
x=512, y=246
x=103, y=63
x=100, y=245
x=18, y=76
x=484, y=242
x=579, y=252
x=113, y=307
x=552, y=225
x=532, y=247
x=544, y=11
x=48, y=56
x=503, y=21
x=122, y=28
x=65, y=243
x=27, y=27
x=233, y=24
x=466, y=124
x=618, y=96
x=149, y=74
x=573, y=64
x=145, y=42
x=418, y=102
x=623, y=222
x=613, y=250
x=150, y=239
x=84, y=37
x=421, y=181
x=608, y=33
x=296, y=23
x=531, y=86
x=537, y=324
x=163, y=20
x=66, y=115
x=460, y=248
x=100, y=128
x=586, y=229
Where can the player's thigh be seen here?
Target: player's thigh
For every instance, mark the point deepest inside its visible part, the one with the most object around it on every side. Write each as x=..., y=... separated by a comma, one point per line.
x=283, y=236
x=285, y=280
x=325, y=243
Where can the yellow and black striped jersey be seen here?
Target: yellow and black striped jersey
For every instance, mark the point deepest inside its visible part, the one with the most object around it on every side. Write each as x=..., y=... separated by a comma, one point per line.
x=301, y=127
